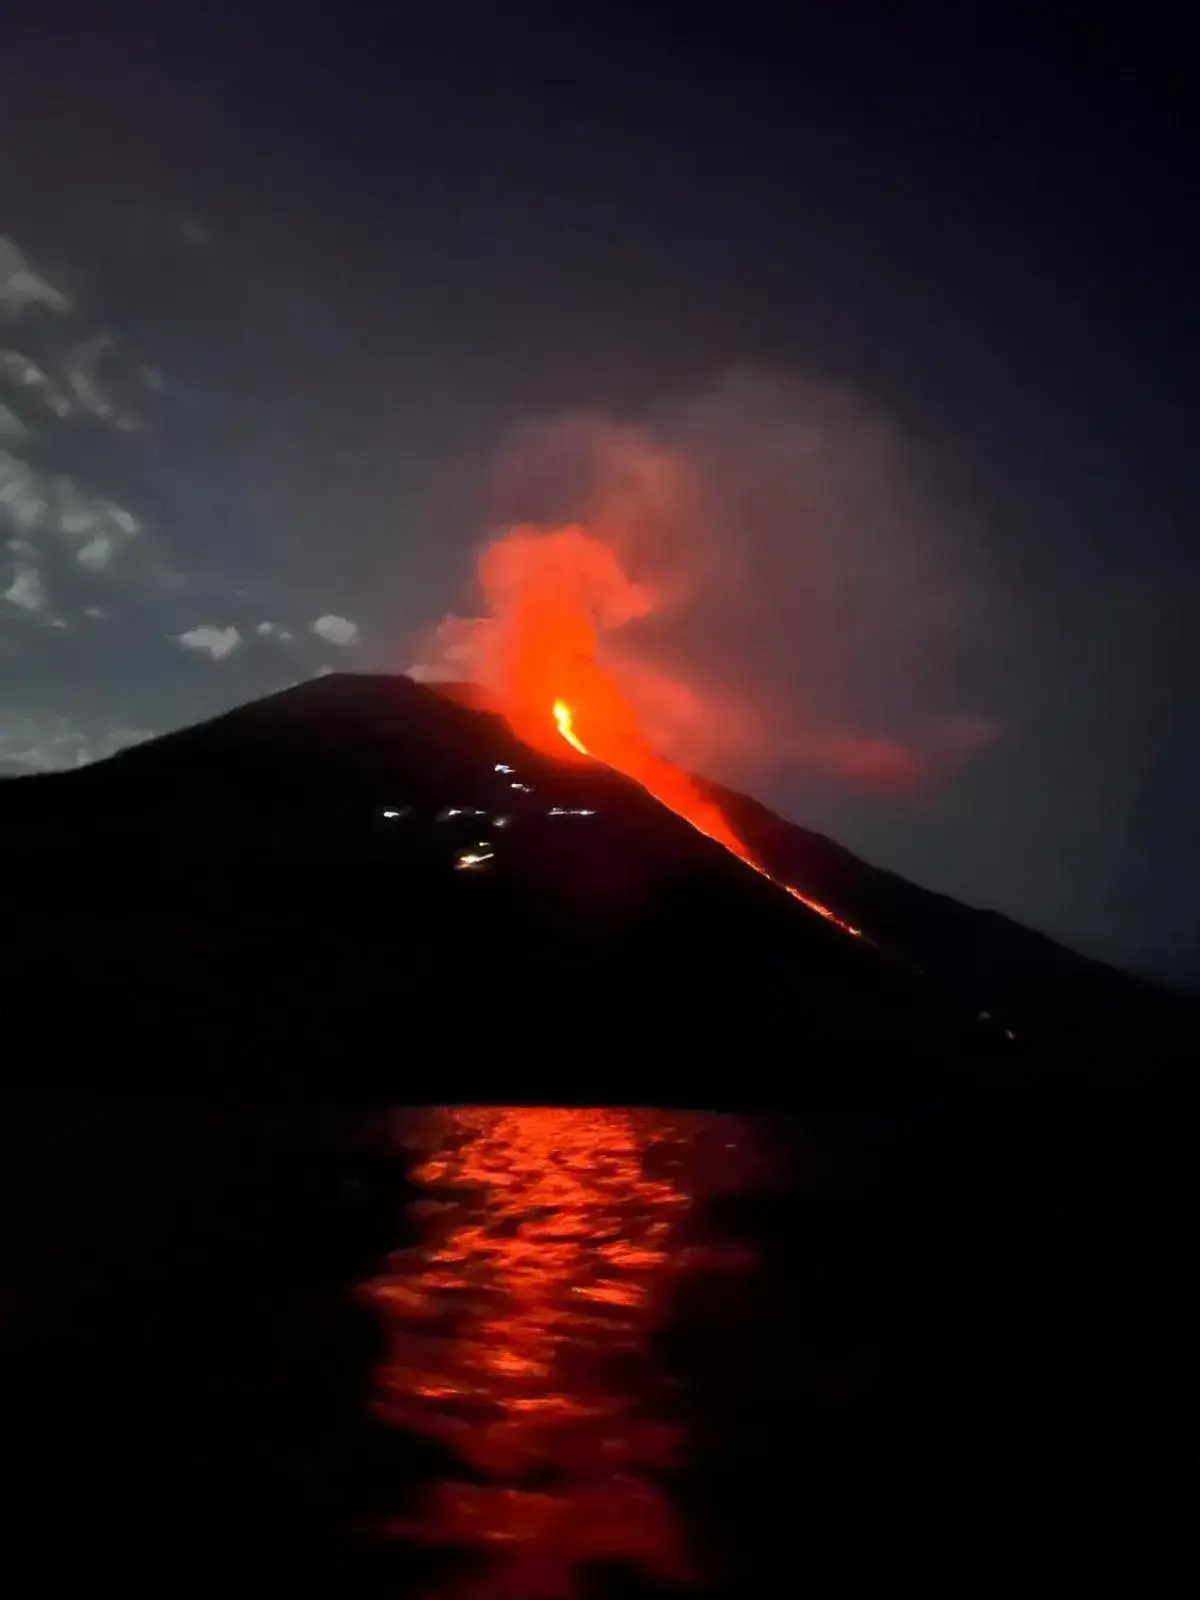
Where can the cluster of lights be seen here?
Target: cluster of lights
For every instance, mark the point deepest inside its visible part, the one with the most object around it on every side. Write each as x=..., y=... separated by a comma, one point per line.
x=449, y=813
x=478, y=855
x=475, y=857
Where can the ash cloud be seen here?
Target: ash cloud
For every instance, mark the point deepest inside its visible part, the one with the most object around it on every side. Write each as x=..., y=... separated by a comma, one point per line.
x=810, y=596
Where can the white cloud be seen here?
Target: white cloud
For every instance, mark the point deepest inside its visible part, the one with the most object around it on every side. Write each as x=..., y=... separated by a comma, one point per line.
x=96, y=553
x=27, y=589
x=93, y=611
x=21, y=286
x=52, y=504
x=272, y=630
x=218, y=642
x=337, y=630
x=104, y=523
x=20, y=494
x=11, y=425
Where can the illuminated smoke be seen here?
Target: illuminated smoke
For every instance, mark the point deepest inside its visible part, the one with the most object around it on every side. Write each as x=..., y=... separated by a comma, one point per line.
x=753, y=583
x=765, y=576
x=554, y=595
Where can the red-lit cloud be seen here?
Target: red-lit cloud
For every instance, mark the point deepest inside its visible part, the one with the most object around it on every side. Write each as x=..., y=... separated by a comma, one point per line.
x=754, y=574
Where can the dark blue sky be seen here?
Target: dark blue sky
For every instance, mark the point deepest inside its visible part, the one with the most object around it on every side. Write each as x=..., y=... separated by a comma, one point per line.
x=361, y=245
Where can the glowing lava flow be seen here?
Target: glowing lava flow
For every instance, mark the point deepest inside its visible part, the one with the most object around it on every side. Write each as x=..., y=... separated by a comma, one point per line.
x=566, y=726
x=678, y=795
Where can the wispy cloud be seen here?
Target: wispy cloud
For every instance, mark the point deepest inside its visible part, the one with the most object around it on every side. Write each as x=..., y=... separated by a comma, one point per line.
x=52, y=505
x=83, y=376
x=43, y=741
x=11, y=426
x=23, y=500
x=27, y=591
x=26, y=374
x=20, y=285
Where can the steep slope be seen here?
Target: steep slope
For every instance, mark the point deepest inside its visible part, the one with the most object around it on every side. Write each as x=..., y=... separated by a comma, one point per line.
x=1023, y=980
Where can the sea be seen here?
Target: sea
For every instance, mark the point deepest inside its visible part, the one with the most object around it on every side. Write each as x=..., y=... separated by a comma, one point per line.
x=539, y=1353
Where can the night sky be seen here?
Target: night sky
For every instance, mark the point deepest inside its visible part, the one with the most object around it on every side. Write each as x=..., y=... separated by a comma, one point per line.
x=298, y=308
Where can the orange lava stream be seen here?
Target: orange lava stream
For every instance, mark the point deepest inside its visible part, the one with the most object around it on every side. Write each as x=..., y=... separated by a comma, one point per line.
x=566, y=726
x=672, y=788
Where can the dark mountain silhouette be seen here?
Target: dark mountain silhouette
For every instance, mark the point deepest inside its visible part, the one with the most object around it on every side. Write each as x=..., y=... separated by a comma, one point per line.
x=289, y=896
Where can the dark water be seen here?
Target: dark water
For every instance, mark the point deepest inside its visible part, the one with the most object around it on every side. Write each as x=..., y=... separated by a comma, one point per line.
x=508, y=1354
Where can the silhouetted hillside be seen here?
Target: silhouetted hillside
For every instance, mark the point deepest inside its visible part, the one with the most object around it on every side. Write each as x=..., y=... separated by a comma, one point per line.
x=367, y=885
x=1025, y=981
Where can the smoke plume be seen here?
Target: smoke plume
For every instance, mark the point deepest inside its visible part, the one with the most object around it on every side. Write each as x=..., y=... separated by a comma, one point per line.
x=753, y=581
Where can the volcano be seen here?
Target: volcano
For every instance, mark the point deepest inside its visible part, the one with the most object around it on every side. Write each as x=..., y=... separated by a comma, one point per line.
x=368, y=885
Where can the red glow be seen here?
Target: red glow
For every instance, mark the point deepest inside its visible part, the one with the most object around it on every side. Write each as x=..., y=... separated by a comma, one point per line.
x=552, y=593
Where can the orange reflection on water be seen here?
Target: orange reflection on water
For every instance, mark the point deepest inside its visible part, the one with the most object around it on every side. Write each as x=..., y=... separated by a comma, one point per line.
x=518, y=1336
